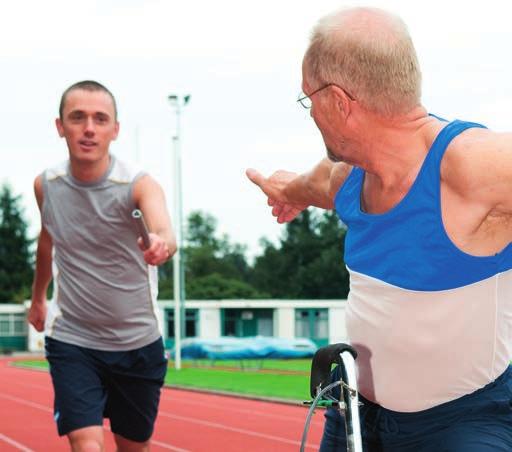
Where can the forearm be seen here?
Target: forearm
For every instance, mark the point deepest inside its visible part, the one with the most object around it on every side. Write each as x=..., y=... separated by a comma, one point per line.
x=43, y=272
x=312, y=188
x=149, y=197
x=167, y=235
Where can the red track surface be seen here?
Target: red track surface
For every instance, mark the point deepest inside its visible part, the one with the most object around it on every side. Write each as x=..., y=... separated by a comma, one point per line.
x=187, y=421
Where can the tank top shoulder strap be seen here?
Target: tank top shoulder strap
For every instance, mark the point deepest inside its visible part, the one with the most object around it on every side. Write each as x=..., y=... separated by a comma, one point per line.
x=445, y=137
x=350, y=186
x=428, y=183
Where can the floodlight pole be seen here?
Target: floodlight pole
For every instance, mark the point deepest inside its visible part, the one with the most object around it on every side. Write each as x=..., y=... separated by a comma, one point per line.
x=178, y=102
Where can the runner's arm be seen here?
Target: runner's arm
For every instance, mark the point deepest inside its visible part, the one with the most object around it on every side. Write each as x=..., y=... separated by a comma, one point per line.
x=43, y=268
x=149, y=197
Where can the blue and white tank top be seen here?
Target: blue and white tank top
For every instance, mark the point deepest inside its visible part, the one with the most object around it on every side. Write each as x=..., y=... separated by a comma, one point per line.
x=431, y=323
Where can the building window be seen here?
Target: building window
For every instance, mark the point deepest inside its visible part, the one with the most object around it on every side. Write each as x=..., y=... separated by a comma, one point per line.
x=302, y=323
x=248, y=322
x=266, y=327
x=13, y=324
x=312, y=324
x=321, y=324
x=191, y=323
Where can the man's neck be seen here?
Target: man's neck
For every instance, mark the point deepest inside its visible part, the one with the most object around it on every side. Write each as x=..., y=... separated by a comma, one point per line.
x=396, y=148
x=89, y=171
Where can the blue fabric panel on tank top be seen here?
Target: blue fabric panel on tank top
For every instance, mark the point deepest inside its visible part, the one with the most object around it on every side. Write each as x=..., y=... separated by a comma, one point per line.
x=408, y=246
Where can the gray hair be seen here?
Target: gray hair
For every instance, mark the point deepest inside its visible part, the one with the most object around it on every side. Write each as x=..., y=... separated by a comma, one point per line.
x=368, y=52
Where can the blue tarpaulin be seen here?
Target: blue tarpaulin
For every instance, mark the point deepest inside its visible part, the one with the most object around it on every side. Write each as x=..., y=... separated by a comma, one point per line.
x=247, y=348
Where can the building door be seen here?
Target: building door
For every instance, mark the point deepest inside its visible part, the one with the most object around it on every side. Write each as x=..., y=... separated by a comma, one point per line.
x=248, y=323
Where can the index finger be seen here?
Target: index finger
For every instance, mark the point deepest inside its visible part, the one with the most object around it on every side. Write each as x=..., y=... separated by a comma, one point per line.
x=255, y=177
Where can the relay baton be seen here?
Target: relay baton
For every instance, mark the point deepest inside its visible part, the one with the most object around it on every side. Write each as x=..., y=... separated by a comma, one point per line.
x=141, y=227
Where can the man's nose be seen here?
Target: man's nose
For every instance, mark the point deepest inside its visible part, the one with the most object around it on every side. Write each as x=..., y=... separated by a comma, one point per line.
x=89, y=127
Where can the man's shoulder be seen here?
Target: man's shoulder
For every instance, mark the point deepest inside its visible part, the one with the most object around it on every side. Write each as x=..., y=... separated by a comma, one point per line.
x=477, y=143
x=475, y=155
x=54, y=172
x=124, y=171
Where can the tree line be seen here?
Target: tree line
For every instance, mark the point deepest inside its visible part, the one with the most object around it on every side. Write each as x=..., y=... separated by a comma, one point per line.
x=305, y=263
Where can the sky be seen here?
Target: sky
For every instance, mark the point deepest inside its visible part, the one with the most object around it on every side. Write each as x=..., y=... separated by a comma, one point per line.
x=241, y=64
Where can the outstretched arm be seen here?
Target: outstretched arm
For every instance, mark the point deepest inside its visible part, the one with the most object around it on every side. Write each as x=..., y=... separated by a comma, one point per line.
x=150, y=199
x=479, y=169
x=290, y=193
x=43, y=270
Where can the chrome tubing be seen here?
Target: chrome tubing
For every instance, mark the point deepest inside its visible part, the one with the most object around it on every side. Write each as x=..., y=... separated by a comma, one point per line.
x=350, y=398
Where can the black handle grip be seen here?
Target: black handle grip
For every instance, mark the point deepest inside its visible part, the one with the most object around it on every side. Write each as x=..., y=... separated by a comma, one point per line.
x=322, y=362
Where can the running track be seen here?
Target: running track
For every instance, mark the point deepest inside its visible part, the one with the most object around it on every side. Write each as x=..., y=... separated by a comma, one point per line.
x=187, y=421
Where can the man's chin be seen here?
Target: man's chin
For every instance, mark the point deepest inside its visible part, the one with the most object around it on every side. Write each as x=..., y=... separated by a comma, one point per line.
x=333, y=157
x=87, y=157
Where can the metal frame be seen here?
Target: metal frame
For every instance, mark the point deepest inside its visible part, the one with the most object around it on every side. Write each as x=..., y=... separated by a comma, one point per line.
x=320, y=388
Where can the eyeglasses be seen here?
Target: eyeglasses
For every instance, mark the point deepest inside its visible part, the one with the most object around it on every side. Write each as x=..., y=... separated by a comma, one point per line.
x=305, y=99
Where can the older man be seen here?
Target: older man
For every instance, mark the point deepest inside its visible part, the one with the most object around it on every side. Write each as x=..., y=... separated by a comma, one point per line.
x=428, y=208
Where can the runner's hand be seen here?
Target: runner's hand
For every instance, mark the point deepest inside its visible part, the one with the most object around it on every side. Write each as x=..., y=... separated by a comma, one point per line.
x=157, y=253
x=37, y=315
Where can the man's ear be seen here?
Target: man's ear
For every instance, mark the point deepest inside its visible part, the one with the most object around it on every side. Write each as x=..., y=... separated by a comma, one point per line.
x=116, y=131
x=60, y=127
x=343, y=103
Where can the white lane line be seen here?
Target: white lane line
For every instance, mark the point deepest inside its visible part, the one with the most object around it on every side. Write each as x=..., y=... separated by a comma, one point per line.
x=26, y=402
x=49, y=410
x=167, y=446
x=15, y=444
x=234, y=429
x=218, y=406
x=167, y=396
x=173, y=399
x=47, y=387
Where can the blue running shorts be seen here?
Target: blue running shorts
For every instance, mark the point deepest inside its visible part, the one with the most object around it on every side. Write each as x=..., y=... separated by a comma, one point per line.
x=477, y=422
x=92, y=384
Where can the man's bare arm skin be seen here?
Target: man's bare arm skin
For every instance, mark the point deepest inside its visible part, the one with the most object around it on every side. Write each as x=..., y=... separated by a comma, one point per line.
x=476, y=187
x=43, y=270
x=290, y=193
x=150, y=199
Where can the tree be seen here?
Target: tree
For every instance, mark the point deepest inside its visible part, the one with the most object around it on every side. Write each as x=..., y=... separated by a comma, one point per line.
x=214, y=267
x=165, y=281
x=216, y=287
x=16, y=269
x=308, y=262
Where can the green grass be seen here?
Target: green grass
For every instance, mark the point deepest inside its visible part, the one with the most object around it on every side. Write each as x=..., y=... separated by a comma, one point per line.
x=298, y=365
x=255, y=383
x=263, y=382
x=35, y=363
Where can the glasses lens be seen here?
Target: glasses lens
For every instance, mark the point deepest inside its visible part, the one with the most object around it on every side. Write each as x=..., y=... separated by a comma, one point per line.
x=304, y=100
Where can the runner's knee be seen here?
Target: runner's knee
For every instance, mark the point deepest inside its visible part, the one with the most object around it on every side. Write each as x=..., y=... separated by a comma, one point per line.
x=126, y=445
x=89, y=439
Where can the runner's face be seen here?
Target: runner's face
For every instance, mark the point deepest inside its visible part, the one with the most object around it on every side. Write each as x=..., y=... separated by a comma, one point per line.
x=88, y=124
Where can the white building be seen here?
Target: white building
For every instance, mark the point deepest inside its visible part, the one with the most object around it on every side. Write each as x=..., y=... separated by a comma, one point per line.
x=323, y=321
